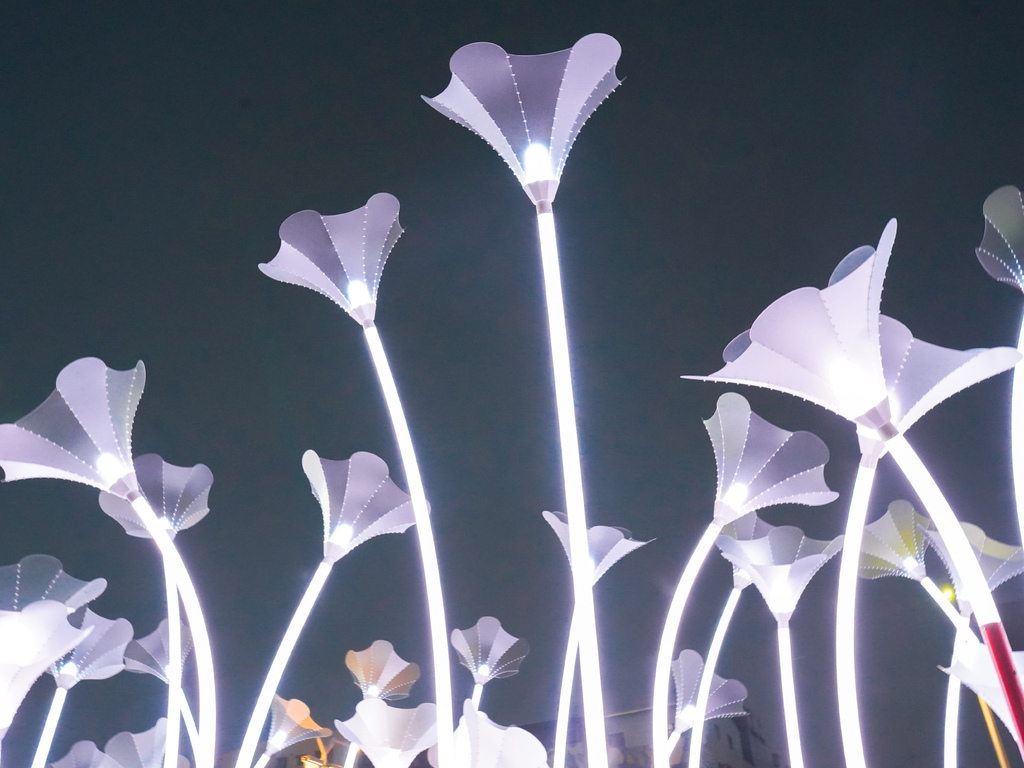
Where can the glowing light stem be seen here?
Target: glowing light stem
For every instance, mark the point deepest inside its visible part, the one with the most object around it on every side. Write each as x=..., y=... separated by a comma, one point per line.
x=572, y=475
x=49, y=727
x=945, y=606
x=173, y=672
x=997, y=743
x=663, y=664
x=796, y=753
x=351, y=755
x=704, y=690
x=846, y=612
x=966, y=564
x=284, y=651
x=674, y=738
x=205, y=753
x=190, y=724
x=565, y=694
x=1017, y=437
x=478, y=691
x=952, y=718
x=428, y=554
x=262, y=762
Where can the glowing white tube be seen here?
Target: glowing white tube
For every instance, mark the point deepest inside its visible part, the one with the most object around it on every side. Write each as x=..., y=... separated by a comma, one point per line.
x=949, y=749
x=572, y=476
x=351, y=755
x=478, y=691
x=206, y=751
x=174, y=693
x=284, y=651
x=846, y=612
x=565, y=694
x=1017, y=437
x=663, y=664
x=673, y=739
x=796, y=753
x=704, y=690
x=190, y=724
x=262, y=762
x=940, y=600
x=49, y=727
x=428, y=554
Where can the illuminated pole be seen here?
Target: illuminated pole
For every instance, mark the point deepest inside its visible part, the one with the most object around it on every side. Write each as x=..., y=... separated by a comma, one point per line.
x=796, y=754
x=175, y=695
x=50, y=727
x=997, y=743
x=565, y=694
x=351, y=755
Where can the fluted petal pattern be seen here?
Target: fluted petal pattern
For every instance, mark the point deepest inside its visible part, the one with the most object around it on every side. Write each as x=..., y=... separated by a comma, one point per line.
x=998, y=561
x=42, y=577
x=380, y=672
x=726, y=699
x=607, y=544
x=178, y=495
x=98, y=656
x=488, y=651
x=894, y=545
x=141, y=750
x=1002, y=245
x=481, y=743
x=390, y=737
x=290, y=723
x=151, y=654
x=85, y=754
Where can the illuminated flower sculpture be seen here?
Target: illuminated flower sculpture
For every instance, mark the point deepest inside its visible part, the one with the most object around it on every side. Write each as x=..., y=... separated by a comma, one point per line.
x=381, y=673
x=359, y=501
x=290, y=723
x=125, y=750
x=488, y=652
x=97, y=657
x=83, y=432
x=481, y=743
x=342, y=257
x=781, y=565
x=834, y=348
x=530, y=110
x=390, y=737
x=42, y=577
x=758, y=465
x=1000, y=253
x=726, y=697
x=608, y=545
x=179, y=496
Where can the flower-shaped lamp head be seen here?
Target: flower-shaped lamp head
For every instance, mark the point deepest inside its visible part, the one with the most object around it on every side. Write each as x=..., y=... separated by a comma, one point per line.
x=381, y=673
x=179, y=496
x=81, y=432
x=358, y=499
x=85, y=754
x=141, y=750
x=290, y=723
x=998, y=561
x=726, y=699
x=390, y=737
x=894, y=545
x=42, y=577
x=340, y=256
x=151, y=654
x=30, y=641
x=781, y=564
x=760, y=464
x=488, y=651
x=607, y=544
x=1002, y=245
x=834, y=348
x=481, y=743
x=98, y=656
x=749, y=526
x=530, y=108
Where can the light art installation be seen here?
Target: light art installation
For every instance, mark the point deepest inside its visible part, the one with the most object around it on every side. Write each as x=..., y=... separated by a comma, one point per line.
x=390, y=737
x=98, y=657
x=359, y=501
x=83, y=432
x=42, y=577
x=125, y=750
x=759, y=465
x=342, y=257
x=607, y=545
x=530, y=110
x=725, y=698
x=480, y=743
x=488, y=652
x=290, y=723
x=381, y=673
x=179, y=496
x=834, y=348
x=781, y=565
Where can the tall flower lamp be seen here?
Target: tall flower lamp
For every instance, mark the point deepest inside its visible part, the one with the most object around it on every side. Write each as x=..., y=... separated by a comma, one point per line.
x=390, y=737
x=342, y=257
x=999, y=562
x=608, y=545
x=759, y=465
x=359, y=501
x=530, y=110
x=98, y=657
x=1000, y=253
x=151, y=655
x=382, y=674
x=747, y=527
x=125, y=750
x=31, y=639
x=290, y=723
x=488, y=652
x=834, y=348
x=482, y=743
x=42, y=577
x=781, y=565
x=725, y=699
x=83, y=432
x=180, y=498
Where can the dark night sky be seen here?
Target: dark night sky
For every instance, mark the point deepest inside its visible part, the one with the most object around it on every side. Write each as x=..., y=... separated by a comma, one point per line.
x=148, y=155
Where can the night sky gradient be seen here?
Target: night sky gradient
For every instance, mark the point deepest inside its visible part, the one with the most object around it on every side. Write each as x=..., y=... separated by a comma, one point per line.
x=149, y=152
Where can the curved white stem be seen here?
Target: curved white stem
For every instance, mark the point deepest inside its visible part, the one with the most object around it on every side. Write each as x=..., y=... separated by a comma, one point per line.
x=565, y=694
x=428, y=554
x=952, y=719
x=1017, y=437
x=846, y=612
x=173, y=672
x=206, y=751
x=284, y=651
x=49, y=727
x=478, y=691
x=262, y=762
x=796, y=754
x=351, y=755
x=945, y=606
x=707, y=676
x=663, y=664
x=190, y=724
x=572, y=477
x=674, y=738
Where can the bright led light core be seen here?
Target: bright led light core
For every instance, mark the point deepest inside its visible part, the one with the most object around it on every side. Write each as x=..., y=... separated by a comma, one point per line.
x=69, y=668
x=856, y=390
x=373, y=690
x=537, y=163
x=110, y=467
x=358, y=294
x=484, y=669
x=688, y=712
x=909, y=563
x=342, y=535
x=949, y=594
x=736, y=495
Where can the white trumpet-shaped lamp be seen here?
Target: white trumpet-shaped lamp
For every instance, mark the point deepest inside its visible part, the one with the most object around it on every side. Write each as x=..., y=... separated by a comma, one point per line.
x=488, y=652
x=481, y=743
x=125, y=750
x=290, y=723
x=390, y=737
x=42, y=577
x=381, y=673
x=726, y=698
